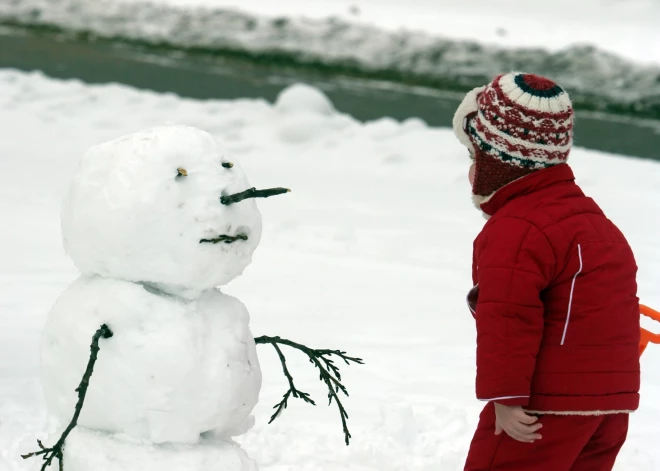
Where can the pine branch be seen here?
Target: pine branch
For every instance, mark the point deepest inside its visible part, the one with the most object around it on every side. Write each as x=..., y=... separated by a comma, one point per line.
x=224, y=238
x=280, y=406
x=252, y=193
x=57, y=450
x=328, y=374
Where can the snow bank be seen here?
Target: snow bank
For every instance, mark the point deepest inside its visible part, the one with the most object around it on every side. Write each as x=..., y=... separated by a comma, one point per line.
x=370, y=253
x=509, y=23
x=449, y=45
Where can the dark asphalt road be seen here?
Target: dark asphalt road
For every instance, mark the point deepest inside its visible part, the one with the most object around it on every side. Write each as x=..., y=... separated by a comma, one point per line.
x=204, y=77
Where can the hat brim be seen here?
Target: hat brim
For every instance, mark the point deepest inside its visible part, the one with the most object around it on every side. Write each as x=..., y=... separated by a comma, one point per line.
x=468, y=106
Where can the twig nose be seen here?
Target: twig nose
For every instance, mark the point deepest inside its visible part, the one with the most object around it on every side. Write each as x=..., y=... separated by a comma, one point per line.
x=252, y=193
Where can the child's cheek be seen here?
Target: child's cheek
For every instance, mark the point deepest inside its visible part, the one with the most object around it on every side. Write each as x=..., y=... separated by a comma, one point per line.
x=471, y=174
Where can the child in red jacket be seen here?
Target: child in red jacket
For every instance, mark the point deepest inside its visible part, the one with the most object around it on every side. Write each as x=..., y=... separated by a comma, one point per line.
x=554, y=296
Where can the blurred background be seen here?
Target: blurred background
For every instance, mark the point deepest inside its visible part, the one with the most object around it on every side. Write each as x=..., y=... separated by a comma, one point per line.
x=373, y=58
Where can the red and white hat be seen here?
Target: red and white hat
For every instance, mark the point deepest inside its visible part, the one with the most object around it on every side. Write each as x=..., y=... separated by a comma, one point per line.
x=517, y=124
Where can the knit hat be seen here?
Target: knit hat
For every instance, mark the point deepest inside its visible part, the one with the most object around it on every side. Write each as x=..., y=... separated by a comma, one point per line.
x=517, y=124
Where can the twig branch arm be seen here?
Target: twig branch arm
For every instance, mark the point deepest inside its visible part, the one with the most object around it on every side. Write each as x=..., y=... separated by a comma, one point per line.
x=57, y=450
x=328, y=374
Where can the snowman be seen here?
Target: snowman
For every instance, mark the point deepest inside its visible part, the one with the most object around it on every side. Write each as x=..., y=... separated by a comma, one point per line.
x=155, y=221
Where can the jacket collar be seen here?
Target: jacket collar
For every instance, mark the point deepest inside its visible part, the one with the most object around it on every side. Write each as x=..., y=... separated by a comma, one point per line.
x=528, y=184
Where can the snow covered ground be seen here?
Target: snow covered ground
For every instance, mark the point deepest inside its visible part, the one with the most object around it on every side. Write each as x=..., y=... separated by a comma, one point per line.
x=626, y=27
x=369, y=253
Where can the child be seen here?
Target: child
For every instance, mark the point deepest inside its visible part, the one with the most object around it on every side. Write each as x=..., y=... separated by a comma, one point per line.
x=554, y=295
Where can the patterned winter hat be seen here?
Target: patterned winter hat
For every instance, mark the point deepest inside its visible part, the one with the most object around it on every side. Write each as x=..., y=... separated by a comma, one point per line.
x=517, y=124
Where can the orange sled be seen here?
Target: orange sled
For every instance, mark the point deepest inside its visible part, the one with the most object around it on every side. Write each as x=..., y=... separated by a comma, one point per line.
x=646, y=335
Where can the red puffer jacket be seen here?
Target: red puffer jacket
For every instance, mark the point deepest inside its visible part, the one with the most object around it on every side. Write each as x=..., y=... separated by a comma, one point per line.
x=557, y=312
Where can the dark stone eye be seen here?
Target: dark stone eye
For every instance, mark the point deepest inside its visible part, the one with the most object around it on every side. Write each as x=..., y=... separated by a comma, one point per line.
x=227, y=164
x=181, y=172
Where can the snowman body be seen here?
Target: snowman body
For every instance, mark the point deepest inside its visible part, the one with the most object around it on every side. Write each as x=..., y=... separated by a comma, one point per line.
x=180, y=376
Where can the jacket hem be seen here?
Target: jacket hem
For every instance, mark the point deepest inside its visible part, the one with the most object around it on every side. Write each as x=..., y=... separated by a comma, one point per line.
x=578, y=412
x=582, y=405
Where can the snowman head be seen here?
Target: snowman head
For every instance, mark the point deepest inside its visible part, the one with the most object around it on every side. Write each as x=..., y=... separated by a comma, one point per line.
x=153, y=207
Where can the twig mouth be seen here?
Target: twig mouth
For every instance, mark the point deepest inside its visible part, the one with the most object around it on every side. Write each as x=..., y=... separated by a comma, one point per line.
x=252, y=193
x=226, y=239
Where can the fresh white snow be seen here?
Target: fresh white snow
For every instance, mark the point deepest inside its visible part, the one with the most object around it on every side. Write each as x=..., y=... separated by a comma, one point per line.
x=370, y=253
x=86, y=451
x=626, y=27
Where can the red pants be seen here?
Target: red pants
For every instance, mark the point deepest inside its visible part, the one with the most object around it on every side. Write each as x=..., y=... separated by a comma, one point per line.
x=569, y=443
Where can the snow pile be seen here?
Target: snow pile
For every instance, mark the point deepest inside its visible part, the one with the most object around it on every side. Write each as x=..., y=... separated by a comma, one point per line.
x=370, y=253
x=301, y=98
x=442, y=45
x=304, y=113
x=130, y=215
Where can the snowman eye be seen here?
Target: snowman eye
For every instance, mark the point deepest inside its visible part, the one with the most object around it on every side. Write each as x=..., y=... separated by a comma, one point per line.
x=227, y=164
x=181, y=172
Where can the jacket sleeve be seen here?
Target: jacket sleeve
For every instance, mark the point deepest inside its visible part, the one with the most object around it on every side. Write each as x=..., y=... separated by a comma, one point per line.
x=514, y=265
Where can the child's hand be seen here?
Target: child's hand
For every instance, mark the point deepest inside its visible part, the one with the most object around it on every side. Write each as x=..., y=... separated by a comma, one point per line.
x=516, y=423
